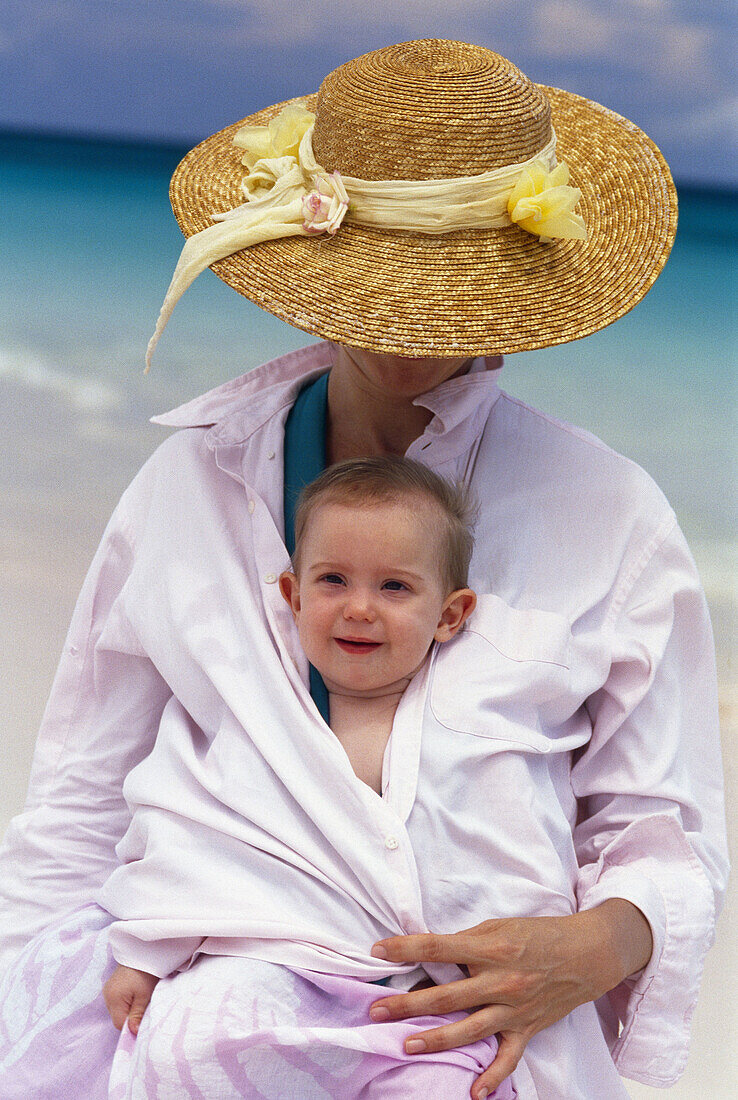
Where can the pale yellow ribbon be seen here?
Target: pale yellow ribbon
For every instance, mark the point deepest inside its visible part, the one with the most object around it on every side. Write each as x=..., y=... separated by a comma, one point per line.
x=439, y=205
x=289, y=194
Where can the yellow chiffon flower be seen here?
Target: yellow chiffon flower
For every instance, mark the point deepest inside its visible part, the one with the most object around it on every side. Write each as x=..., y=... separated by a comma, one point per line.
x=541, y=202
x=280, y=138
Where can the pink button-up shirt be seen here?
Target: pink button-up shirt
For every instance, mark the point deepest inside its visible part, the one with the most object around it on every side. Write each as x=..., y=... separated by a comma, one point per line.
x=625, y=783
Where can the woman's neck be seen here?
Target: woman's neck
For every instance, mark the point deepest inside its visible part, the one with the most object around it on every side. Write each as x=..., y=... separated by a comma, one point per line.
x=364, y=419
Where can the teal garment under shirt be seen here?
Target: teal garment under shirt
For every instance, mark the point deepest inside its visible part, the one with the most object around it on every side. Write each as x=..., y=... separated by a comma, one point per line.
x=304, y=459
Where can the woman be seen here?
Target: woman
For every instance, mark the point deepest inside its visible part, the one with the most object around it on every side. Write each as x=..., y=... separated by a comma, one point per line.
x=419, y=283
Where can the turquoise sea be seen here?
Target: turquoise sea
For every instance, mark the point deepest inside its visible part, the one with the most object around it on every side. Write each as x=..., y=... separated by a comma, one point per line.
x=87, y=247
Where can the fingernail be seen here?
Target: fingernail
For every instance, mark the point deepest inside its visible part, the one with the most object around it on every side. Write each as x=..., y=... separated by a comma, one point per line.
x=483, y=1094
x=380, y=1013
x=414, y=1046
x=379, y=952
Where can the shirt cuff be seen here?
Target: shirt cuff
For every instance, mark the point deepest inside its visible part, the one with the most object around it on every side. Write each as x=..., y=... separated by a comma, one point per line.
x=670, y=888
x=158, y=957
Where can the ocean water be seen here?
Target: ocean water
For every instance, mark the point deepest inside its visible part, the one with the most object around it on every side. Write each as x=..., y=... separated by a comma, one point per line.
x=87, y=247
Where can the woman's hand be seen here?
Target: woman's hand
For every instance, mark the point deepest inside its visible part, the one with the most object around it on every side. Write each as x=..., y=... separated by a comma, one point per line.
x=127, y=992
x=525, y=973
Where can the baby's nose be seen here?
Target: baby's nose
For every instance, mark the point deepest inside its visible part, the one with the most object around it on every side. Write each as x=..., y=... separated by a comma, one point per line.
x=359, y=605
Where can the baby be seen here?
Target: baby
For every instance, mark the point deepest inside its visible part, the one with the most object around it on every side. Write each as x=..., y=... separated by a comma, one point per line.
x=382, y=551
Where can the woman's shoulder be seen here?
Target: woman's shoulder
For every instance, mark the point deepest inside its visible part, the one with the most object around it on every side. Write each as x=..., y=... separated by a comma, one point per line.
x=209, y=431
x=570, y=466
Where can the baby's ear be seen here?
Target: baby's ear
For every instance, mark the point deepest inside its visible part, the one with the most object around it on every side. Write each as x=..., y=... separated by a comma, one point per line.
x=456, y=610
x=289, y=586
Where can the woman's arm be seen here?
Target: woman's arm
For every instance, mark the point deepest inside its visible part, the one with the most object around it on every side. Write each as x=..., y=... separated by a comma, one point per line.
x=100, y=721
x=651, y=846
x=652, y=823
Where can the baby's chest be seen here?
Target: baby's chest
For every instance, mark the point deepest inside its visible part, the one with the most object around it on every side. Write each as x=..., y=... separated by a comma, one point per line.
x=364, y=744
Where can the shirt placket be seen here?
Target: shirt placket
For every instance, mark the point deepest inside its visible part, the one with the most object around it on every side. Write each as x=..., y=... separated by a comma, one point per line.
x=399, y=782
x=387, y=815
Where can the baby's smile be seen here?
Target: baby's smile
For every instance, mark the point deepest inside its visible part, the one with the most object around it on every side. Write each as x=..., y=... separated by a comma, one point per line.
x=357, y=645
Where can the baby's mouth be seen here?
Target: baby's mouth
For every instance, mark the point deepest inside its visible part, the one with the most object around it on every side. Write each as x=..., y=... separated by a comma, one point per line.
x=357, y=645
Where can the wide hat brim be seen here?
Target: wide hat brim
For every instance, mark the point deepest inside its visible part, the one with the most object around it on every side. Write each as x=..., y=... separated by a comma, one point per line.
x=471, y=292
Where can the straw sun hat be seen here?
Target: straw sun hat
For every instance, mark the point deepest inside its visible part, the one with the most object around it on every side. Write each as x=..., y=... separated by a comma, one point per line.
x=440, y=110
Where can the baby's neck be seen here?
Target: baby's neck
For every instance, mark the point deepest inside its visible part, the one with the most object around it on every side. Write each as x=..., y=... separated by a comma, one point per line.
x=365, y=708
x=363, y=725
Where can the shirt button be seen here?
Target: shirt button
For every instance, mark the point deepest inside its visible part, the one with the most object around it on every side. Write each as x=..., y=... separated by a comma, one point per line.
x=392, y=842
x=271, y=454
x=270, y=578
x=73, y=650
x=252, y=507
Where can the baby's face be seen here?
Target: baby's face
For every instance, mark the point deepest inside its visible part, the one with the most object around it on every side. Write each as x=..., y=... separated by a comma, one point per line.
x=369, y=599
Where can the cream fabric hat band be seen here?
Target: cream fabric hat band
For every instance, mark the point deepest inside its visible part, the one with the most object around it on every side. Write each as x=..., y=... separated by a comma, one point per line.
x=440, y=206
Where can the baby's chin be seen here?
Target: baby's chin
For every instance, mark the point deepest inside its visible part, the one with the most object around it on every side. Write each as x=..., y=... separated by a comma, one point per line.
x=371, y=691
x=355, y=689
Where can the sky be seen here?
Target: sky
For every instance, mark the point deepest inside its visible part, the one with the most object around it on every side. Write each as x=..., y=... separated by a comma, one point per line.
x=176, y=70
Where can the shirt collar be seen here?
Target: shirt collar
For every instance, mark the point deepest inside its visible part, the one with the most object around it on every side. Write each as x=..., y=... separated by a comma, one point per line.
x=460, y=410
x=236, y=409
x=240, y=406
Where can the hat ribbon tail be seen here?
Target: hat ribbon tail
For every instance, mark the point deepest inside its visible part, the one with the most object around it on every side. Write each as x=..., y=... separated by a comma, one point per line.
x=255, y=222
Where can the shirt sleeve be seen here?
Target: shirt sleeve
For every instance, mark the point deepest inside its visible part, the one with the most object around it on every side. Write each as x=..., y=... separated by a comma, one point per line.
x=651, y=827
x=100, y=720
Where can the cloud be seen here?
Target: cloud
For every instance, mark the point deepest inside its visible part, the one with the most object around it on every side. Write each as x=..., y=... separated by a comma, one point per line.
x=645, y=35
x=566, y=28
x=274, y=22
x=707, y=121
x=680, y=53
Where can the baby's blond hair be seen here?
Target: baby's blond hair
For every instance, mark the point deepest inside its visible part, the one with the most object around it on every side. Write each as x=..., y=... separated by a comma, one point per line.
x=388, y=479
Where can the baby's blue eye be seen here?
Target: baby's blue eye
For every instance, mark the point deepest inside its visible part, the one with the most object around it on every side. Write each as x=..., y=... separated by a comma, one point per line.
x=332, y=578
x=395, y=586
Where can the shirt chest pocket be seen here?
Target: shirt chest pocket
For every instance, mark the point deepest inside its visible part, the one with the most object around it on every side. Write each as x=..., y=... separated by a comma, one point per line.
x=506, y=677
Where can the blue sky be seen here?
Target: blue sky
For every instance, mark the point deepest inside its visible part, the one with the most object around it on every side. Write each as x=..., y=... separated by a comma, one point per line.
x=176, y=70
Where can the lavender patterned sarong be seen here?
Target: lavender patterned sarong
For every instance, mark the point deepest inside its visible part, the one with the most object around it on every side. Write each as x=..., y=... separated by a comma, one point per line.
x=226, y=1028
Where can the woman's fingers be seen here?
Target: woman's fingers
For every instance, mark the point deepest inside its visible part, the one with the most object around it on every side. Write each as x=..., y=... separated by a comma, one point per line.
x=126, y=993
x=478, y=1025
x=455, y=947
x=436, y=1000
x=118, y=1010
x=510, y=1051
x=116, y=1002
